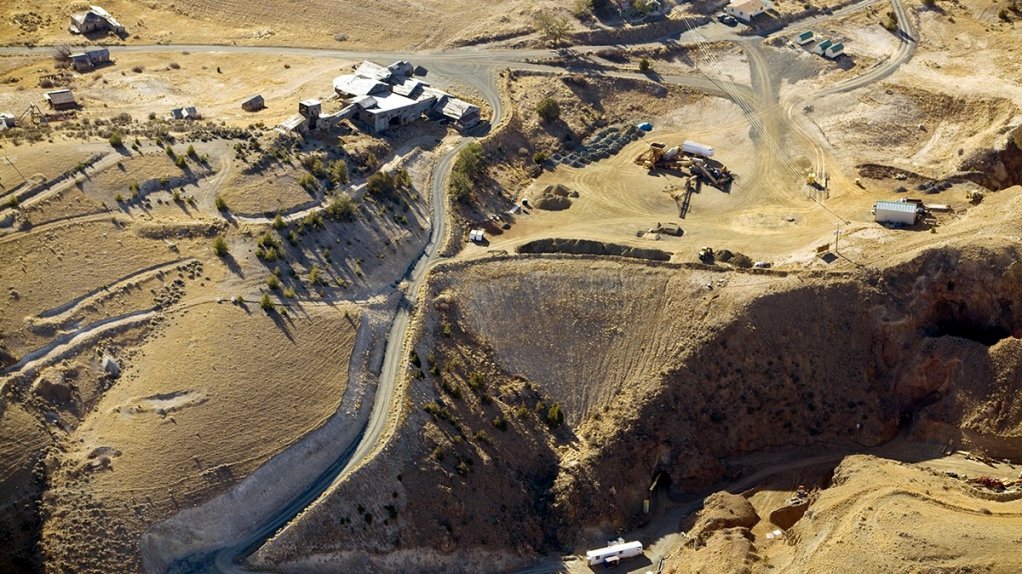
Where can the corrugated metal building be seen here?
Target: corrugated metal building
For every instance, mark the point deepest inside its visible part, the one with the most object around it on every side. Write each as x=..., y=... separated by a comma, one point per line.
x=904, y=213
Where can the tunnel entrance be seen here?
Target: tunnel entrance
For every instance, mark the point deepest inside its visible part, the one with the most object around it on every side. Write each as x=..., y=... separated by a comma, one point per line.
x=953, y=319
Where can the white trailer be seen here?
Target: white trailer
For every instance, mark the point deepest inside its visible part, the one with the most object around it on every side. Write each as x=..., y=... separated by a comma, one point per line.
x=696, y=148
x=904, y=213
x=614, y=553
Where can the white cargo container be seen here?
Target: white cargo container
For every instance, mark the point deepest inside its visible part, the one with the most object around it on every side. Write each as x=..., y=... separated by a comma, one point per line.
x=696, y=148
x=614, y=553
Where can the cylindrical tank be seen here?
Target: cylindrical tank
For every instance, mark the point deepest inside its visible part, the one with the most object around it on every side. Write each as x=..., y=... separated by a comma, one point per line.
x=696, y=148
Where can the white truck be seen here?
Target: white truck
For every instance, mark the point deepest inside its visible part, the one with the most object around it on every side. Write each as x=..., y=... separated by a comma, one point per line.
x=696, y=148
x=614, y=553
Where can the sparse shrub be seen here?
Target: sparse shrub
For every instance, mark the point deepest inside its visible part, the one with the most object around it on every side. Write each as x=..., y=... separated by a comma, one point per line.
x=308, y=182
x=554, y=416
x=221, y=203
x=265, y=303
x=272, y=282
x=174, y=66
x=289, y=292
x=137, y=69
x=219, y=246
x=314, y=275
x=553, y=27
x=341, y=207
x=499, y=422
x=180, y=162
x=645, y=65
x=540, y=157
x=339, y=171
x=278, y=222
x=476, y=381
x=549, y=110
x=191, y=152
x=116, y=139
x=119, y=198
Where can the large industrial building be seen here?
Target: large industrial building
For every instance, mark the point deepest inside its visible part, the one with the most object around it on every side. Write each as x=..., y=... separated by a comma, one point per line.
x=386, y=97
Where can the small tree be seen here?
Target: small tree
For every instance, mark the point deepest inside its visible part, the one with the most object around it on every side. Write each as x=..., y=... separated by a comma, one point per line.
x=339, y=171
x=219, y=246
x=554, y=28
x=342, y=207
x=554, y=416
x=460, y=186
x=470, y=160
x=549, y=110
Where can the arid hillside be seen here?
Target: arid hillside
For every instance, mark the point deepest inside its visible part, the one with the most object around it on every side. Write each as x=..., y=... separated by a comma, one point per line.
x=645, y=384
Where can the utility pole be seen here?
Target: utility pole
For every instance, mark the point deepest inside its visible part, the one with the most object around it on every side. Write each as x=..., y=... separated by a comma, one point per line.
x=16, y=169
x=837, y=236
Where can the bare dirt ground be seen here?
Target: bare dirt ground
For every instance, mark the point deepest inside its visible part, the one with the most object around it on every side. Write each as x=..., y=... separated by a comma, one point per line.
x=178, y=426
x=546, y=392
x=141, y=374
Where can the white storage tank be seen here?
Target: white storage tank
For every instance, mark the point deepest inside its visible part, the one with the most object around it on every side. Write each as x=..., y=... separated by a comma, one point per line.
x=696, y=148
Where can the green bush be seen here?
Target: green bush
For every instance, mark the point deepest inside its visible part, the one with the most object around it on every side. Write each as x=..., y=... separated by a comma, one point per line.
x=554, y=416
x=308, y=182
x=339, y=171
x=470, y=160
x=221, y=203
x=265, y=303
x=341, y=207
x=549, y=110
x=460, y=187
x=116, y=140
x=219, y=246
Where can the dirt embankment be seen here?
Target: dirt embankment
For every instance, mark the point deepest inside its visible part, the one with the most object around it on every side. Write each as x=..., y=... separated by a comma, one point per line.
x=589, y=247
x=847, y=362
x=841, y=361
x=999, y=167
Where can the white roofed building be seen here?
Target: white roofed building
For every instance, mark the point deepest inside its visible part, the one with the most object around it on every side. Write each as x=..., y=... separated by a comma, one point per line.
x=746, y=10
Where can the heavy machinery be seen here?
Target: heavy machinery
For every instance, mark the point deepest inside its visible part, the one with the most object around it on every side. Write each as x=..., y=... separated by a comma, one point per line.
x=659, y=156
x=719, y=177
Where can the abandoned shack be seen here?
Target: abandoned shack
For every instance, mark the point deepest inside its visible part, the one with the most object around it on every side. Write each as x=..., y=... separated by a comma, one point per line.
x=253, y=104
x=61, y=99
x=96, y=19
x=186, y=113
x=90, y=59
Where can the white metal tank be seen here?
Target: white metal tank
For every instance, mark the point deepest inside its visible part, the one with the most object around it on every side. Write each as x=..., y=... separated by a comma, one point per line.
x=696, y=148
